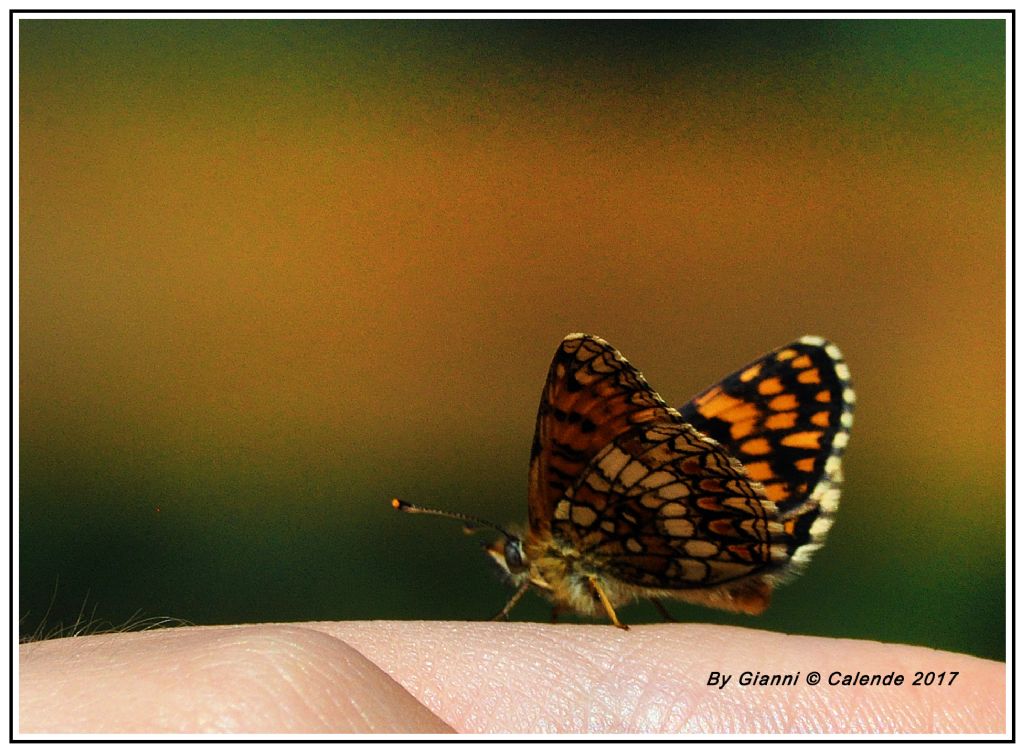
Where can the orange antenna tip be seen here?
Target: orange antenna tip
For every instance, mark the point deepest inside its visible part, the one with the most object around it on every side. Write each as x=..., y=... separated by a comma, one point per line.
x=469, y=523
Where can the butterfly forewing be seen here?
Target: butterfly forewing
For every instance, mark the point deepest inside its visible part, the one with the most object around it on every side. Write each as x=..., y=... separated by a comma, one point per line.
x=786, y=417
x=592, y=395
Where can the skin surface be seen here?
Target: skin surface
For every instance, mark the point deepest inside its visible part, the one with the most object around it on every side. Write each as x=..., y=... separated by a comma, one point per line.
x=472, y=677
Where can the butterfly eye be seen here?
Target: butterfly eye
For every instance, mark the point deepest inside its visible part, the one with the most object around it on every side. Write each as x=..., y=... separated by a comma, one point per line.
x=514, y=557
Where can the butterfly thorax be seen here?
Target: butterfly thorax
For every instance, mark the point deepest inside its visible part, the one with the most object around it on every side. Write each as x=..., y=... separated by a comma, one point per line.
x=557, y=569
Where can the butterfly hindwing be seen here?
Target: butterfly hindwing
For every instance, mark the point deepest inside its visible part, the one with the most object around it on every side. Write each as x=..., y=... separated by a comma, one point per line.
x=665, y=507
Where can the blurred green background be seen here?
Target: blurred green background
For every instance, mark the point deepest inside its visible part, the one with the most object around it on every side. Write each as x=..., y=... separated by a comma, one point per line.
x=273, y=273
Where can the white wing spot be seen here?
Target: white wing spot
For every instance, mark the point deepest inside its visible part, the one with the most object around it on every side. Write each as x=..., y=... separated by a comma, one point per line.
x=673, y=509
x=631, y=473
x=674, y=491
x=820, y=527
x=583, y=516
x=700, y=549
x=613, y=462
x=830, y=500
x=677, y=527
x=659, y=478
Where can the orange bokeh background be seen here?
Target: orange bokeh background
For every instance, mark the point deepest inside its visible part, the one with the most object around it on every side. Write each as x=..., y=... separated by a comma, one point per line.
x=273, y=273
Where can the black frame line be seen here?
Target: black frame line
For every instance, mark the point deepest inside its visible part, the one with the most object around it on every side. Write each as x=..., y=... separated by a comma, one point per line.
x=35, y=12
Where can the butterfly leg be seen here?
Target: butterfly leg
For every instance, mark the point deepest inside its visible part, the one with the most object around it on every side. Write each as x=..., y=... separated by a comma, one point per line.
x=516, y=596
x=556, y=611
x=663, y=611
x=596, y=587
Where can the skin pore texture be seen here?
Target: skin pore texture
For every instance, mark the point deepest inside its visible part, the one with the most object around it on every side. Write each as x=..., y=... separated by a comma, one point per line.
x=473, y=677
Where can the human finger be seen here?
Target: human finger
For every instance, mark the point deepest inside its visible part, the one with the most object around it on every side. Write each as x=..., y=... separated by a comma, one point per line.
x=537, y=678
x=248, y=679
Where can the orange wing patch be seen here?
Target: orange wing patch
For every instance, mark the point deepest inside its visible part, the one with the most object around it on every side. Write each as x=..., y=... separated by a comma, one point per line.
x=810, y=376
x=780, y=421
x=751, y=373
x=718, y=404
x=783, y=402
x=756, y=446
x=804, y=439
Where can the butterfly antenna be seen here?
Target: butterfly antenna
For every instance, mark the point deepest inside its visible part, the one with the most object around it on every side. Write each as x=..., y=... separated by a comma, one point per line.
x=469, y=523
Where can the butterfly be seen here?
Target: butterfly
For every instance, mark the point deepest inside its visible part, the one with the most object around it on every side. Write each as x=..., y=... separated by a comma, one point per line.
x=714, y=503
